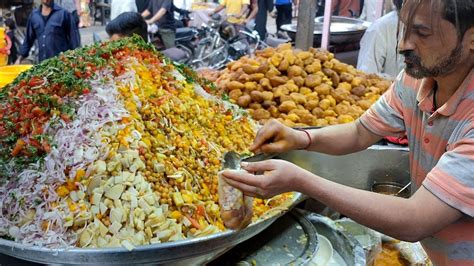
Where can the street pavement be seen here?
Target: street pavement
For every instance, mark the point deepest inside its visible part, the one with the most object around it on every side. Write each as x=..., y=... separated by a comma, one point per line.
x=87, y=34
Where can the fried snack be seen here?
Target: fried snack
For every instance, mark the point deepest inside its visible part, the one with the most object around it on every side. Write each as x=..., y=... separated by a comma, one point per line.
x=282, y=79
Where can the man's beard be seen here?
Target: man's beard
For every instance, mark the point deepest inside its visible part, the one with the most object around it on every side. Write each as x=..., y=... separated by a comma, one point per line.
x=48, y=4
x=416, y=69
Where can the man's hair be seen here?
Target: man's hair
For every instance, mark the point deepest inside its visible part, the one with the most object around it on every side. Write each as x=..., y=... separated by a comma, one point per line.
x=10, y=23
x=398, y=4
x=458, y=12
x=127, y=24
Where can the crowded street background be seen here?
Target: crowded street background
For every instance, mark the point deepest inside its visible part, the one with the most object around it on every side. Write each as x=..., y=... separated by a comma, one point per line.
x=81, y=22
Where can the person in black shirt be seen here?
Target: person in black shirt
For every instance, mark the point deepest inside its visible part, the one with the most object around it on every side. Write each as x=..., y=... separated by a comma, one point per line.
x=129, y=23
x=263, y=8
x=160, y=12
x=142, y=5
x=125, y=25
x=10, y=31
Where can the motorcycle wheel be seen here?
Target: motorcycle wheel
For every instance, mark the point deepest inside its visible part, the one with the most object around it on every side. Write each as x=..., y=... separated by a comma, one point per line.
x=189, y=51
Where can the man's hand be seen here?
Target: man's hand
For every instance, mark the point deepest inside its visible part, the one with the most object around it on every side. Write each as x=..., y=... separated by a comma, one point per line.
x=18, y=61
x=278, y=177
x=149, y=22
x=274, y=137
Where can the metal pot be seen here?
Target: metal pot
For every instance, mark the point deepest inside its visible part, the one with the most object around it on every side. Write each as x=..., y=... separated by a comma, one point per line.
x=343, y=30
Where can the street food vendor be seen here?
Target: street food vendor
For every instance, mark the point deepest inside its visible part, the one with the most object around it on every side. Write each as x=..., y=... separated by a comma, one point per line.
x=433, y=101
x=378, y=47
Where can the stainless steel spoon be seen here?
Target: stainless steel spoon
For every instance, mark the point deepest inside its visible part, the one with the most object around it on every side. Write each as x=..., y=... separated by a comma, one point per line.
x=402, y=189
x=232, y=159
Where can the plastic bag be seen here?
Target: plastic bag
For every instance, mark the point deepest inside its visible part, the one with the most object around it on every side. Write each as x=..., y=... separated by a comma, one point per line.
x=236, y=208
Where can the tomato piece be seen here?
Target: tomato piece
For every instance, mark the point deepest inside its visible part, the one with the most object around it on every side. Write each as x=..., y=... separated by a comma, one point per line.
x=158, y=101
x=35, y=81
x=36, y=111
x=19, y=145
x=65, y=118
x=46, y=146
x=35, y=143
x=201, y=210
x=141, y=151
x=193, y=221
x=38, y=130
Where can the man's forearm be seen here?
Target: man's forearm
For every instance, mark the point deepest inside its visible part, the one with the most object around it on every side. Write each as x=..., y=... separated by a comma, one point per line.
x=405, y=219
x=253, y=14
x=145, y=13
x=218, y=9
x=158, y=15
x=244, y=10
x=342, y=139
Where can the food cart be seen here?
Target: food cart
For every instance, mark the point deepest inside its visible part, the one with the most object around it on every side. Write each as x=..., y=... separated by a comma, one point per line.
x=312, y=235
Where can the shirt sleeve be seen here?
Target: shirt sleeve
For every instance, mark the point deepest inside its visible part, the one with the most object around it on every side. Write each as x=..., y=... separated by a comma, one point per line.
x=385, y=117
x=149, y=7
x=168, y=5
x=30, y=38
x=452, y=179
x=74, y=35
x=372, y=52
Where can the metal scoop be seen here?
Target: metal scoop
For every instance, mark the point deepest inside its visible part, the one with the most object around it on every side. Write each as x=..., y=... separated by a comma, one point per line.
x=232, y=159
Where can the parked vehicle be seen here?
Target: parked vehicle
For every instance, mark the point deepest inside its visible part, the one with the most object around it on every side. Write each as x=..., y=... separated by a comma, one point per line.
x=185, y=38
x=220, y=44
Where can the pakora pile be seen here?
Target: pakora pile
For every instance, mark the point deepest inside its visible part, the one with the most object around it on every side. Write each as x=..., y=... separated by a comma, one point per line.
x=299, y=88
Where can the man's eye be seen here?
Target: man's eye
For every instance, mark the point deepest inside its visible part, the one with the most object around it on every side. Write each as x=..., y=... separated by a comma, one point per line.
x=422, y=33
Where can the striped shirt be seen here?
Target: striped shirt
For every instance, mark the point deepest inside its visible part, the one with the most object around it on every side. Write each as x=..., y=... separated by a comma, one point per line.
x=441, y=154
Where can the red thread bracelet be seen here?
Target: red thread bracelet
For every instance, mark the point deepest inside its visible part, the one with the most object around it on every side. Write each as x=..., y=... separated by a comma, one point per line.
x=309, y=138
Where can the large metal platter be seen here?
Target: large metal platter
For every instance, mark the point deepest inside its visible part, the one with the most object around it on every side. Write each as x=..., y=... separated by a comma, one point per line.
x=292, y=240
x=189, y=251
x=345, y=244
x=343, y=30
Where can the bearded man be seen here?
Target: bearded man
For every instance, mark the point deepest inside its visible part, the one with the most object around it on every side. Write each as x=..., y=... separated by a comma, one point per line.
x=53, y=28
x=433, y=101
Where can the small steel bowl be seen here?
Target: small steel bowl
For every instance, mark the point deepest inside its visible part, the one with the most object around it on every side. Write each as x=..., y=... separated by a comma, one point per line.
x=390, y=188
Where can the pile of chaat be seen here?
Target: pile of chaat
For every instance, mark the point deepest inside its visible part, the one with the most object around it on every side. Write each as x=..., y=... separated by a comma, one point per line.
x=114, y=145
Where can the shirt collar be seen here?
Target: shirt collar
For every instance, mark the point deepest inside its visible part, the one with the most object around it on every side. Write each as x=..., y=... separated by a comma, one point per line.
x=425, y=95
x=55, y=7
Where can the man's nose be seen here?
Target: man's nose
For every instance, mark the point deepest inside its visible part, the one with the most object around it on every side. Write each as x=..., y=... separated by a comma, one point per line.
x=406, y=44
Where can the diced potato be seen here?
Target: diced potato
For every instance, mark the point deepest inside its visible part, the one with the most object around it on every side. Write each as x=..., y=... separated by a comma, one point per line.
x=115, y=192
x=126, y=244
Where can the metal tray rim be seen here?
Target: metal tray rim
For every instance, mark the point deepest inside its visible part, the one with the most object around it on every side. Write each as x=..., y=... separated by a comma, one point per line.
x=88, y=255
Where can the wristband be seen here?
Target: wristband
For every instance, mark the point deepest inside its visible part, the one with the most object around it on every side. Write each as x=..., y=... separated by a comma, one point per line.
x=310, y=141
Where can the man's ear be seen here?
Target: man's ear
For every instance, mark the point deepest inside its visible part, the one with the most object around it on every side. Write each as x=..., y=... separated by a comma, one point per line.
x=469, y=35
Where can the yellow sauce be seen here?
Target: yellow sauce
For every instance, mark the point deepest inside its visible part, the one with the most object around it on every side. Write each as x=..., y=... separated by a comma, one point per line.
x=390, y=256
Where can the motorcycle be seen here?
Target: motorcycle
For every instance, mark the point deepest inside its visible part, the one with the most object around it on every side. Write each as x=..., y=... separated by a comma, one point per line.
x=220, y=44
x=183, y=52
